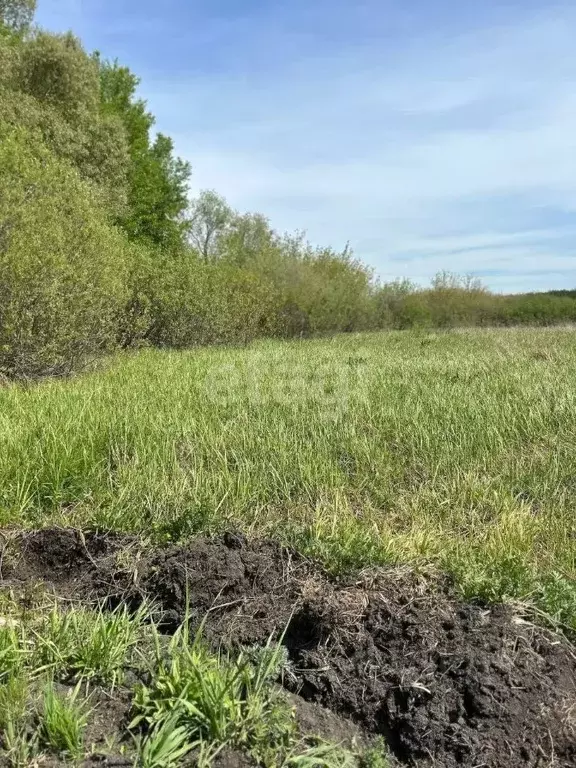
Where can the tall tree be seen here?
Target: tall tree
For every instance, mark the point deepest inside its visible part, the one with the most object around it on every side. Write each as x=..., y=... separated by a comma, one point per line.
x=158, y=181
x=249, y=240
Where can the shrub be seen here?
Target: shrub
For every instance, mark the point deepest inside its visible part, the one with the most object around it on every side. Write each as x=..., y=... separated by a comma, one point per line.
x=178, y=300
x=62, y=264
x=242, y=305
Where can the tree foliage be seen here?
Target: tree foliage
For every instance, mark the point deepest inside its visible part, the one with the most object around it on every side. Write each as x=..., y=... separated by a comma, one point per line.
x=56, y=70
x=157, y=179
x=16, y=15
x=50, y=86
x=62, y=265
x=208, y=220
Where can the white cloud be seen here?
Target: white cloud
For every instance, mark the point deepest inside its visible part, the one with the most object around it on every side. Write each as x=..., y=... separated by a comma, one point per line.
x=482, y=240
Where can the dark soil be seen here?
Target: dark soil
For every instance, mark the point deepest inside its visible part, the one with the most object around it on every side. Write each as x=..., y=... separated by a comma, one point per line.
x=446, y=683
x=232, y=759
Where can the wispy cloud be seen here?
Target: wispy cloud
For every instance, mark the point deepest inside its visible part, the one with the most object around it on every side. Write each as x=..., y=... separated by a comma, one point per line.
x=428, y=142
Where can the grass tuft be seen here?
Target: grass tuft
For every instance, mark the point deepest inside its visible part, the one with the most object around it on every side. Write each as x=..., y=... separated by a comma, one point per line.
x=63, y=721
x=95, y=646
x=221, y=700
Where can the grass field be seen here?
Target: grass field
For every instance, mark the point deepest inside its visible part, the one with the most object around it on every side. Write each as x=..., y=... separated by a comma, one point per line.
x=454, y=449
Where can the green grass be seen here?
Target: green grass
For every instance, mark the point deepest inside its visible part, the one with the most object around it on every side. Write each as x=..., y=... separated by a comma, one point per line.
x=214, y=701
x=455, y=449
x=63, y=721
x=192, y=700
x=88, y=645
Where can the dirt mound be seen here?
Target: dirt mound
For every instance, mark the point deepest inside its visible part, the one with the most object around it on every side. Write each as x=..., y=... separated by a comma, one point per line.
x=447, y=684
x=60, y=557
x=246, y=591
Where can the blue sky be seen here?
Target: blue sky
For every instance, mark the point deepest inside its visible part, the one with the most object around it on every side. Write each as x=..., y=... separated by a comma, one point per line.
x=431, y=134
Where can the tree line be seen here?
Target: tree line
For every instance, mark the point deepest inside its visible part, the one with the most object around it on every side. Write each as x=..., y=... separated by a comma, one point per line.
x=101, y=247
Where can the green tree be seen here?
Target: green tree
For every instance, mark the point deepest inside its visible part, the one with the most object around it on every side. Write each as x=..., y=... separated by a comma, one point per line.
x=157, y=180
x=56, y=70
x=248, y=240
x=50, y=86
x=158, y=196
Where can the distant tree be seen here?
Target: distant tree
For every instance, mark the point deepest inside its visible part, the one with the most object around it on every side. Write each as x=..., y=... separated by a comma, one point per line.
x=208, y=218
x=449, y=281
x=16, y=15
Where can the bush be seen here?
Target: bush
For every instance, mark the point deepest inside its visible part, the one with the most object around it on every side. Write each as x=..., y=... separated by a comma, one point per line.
x=62, y=264
x=317, y=290
x=178, y=300
x=539, y=309
x=454, y=301
x=242, y=305
x=50, y=85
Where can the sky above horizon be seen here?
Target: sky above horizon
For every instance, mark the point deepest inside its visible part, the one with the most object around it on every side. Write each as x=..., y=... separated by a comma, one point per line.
x=430, y=135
